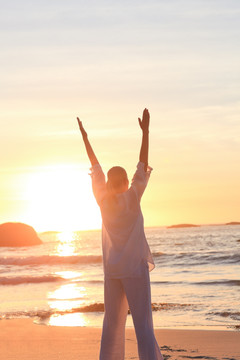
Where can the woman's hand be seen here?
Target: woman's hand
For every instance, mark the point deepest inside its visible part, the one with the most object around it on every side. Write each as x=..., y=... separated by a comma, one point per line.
x=144, y=123
x=83, y=132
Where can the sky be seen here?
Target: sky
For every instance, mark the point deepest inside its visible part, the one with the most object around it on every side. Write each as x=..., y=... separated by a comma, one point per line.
x=105, y=61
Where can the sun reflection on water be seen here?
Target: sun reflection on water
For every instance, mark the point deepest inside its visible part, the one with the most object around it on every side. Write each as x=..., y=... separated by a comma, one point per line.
x=75, y=319
x=70, y=274
x=68, y=291
x=67, y=243
x=64, y=299
x=67, y=298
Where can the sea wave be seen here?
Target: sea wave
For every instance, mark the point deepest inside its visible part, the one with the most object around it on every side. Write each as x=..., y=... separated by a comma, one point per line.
x=219, y=282
x=29, y=280
x=178, y=259
x=18, y=280
x=91, y=308
x=227, y=314
x=210, y=282
x=51, y=260
x=197, y=258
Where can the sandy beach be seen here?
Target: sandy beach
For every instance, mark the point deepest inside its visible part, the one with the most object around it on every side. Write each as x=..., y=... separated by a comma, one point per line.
x=21, y=339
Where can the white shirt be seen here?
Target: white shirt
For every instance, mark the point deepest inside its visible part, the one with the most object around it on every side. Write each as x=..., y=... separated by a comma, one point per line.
x=124, y=243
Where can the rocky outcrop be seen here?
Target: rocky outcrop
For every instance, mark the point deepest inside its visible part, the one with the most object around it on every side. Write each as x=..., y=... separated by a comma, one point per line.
x=233, y=223
x=18, y=234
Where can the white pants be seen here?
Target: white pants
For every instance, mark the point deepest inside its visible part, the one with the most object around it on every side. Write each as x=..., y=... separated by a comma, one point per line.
x=119, y=295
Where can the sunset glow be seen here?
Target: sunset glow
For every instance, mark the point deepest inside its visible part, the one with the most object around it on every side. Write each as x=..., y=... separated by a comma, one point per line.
x=104, y=62
x=60, y=197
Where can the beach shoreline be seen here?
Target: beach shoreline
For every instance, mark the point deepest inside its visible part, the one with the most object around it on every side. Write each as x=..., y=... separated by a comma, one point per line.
x=22, y=339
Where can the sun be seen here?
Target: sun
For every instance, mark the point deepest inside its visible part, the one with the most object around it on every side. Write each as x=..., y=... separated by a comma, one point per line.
x=60, y=198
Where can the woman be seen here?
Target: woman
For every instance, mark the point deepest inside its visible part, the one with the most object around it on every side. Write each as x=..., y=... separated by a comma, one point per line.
x=127, y=259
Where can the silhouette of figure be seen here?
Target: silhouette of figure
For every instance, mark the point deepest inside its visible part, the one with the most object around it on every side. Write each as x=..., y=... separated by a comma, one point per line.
x=127, y=259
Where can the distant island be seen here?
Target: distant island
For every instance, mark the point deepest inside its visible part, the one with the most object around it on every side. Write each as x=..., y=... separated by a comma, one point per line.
x=181, y=226
x=233, y=223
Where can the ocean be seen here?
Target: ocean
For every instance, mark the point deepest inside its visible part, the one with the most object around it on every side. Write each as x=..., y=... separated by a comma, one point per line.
x=195, y=284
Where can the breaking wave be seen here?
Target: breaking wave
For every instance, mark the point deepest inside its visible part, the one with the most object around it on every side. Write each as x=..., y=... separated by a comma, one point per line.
x=91, y=308
x=29, y=280
x=51, y=260
x=219, y=282
x=227, y=314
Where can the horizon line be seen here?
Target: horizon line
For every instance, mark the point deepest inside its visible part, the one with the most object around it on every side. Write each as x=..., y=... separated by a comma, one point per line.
x=146, y=227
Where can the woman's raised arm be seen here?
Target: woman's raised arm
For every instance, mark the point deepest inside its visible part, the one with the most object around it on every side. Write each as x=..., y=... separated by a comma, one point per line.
x=92, y=157
x=144, y=125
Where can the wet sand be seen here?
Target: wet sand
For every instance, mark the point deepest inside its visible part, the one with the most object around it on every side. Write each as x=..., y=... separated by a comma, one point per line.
x=21, y=339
